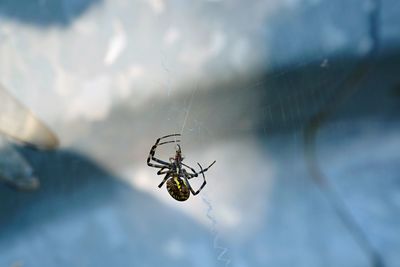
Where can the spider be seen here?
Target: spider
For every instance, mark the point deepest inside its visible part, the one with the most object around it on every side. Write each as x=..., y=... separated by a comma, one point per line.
x=176, y=176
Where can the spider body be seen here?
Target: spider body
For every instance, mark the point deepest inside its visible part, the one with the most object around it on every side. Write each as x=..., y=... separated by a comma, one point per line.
x=177, y=188
x=176, y=176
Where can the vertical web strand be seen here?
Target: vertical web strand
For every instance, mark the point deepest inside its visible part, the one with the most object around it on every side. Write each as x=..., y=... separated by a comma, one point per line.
x=222, y=251
x=216, y=245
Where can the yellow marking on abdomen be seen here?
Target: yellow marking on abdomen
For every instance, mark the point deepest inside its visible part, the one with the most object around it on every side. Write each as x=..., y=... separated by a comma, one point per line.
x=177, y=182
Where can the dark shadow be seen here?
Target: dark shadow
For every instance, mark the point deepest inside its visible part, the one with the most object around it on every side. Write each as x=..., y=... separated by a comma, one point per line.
x=45, y=13
x=76, y=192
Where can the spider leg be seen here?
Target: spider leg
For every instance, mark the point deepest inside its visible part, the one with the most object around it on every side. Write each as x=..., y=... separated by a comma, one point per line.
x=155, y=165
x=163, y=137
x=184, y=176
x=163, y=172
x=206, y=169
x=153, y=151
x=152, y=157
x=190, y=175
x=167, y=142
x=195, y=174
x=164, y=180
x=201, y=187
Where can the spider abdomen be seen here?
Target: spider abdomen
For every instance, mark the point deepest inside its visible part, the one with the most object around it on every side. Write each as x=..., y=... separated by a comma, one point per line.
x=178, y=189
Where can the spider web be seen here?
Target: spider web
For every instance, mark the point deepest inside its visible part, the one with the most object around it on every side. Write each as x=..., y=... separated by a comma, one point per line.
x=299, y=113
x=300, y=124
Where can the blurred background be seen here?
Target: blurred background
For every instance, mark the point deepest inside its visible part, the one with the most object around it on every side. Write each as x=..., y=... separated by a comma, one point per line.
x=297, y=101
